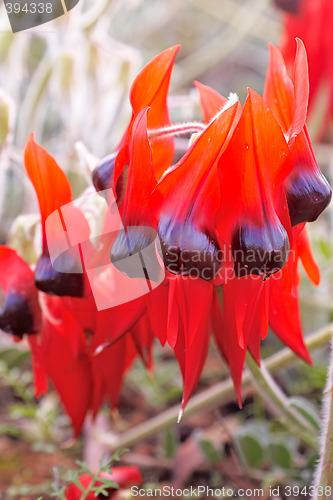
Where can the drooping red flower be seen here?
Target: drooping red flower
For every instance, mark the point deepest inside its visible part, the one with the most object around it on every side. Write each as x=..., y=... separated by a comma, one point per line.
x=228, y=184
x=254, y=220
x=139, y=224
x=253, y=217
x=75, y=343
x=187, y=198
x=307, y=191
x=149, y=89
x=20, y=312
x=53, y=191
x=191, y=246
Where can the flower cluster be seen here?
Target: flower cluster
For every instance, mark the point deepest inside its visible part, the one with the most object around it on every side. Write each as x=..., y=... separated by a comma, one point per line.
x=227, y=223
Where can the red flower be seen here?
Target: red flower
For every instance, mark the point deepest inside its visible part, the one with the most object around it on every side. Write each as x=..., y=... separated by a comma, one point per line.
x=124, y=477
x=53, y=191
x=254, y=219
x=187, y=198
x=138, y=222
x=149, y=89
x=307, y=190
x=76, y=344
x=20, y=313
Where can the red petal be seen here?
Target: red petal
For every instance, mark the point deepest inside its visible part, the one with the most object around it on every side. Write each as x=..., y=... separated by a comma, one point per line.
x=113, y=323
x=40, y=379
x=153, y=79
x=211, y=101
x=201, y=156
x=288, y=99
x=191, y=357
x=304, y=251
x=157, y=303
x=225, y=333
x=51, y=185
x=279, y=89
x=150, y=88
x=284, y=315
x=143, y=337
x=109, y=367
x=252, y=169
x=124, y=476
x=301, y=84
x=141, y=181
x=70, y=374
x=16, y=277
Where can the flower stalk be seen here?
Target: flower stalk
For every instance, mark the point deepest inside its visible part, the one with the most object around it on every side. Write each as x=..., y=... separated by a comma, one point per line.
x=324, y=473
x=275, y=397
x=176, y=129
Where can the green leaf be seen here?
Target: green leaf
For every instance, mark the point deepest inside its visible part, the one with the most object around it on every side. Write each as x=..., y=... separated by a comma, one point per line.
x=4, y=120
x=20, y=410
x=280, y=455
x=14, y=357
x=107, y=483
x=306, y=409
x=170, y=443
x=209, y=450
x=250, y=450
x=83, y=467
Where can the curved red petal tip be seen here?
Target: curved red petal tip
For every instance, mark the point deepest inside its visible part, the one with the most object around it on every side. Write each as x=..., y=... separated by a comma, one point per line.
x=301, y=89
x=50, y=182
x=271, y=150
x=151, y=79
x=279, y=90
x=211, y=101
x=141, y=180
x=310, y=265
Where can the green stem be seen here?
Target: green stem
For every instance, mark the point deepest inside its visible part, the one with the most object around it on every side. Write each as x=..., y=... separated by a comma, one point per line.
x=33, y=95
x=324, y=473
x=90, y=18
x=272, y=393
x=207, y=399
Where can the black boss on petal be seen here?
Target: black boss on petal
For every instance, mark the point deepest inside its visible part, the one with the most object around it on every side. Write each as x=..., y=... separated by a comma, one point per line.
x=260, y=250
x=292, y=6
x=69, y=282
x=15, y=315
x=135, y=253
x=189, y=251
x=308, y=194
x=103, y=174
